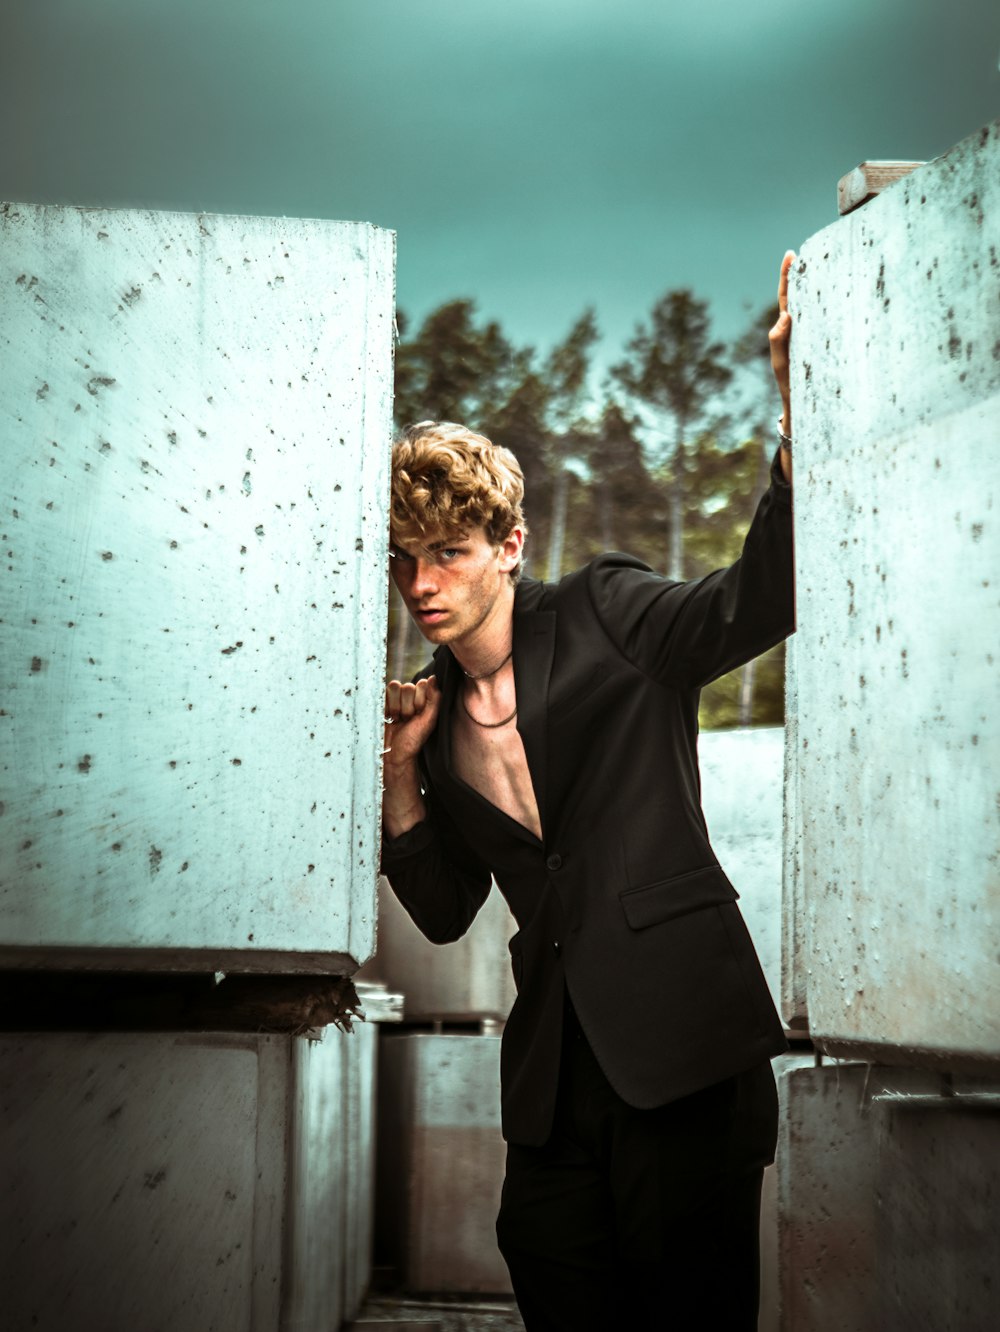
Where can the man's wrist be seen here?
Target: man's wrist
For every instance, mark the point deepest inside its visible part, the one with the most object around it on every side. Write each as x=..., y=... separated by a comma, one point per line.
x=402, y=798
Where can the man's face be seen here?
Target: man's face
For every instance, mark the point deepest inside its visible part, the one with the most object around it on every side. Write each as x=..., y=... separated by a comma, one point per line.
x=455, y=584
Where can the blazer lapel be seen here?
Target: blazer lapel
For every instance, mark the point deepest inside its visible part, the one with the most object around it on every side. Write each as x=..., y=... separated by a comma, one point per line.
x=534, y=644
x=437, y=751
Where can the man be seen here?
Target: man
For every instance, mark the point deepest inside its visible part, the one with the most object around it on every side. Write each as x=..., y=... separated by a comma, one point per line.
x=552, y=745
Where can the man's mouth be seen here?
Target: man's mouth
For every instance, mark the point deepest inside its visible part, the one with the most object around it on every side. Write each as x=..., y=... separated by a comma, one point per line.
x=429, y=614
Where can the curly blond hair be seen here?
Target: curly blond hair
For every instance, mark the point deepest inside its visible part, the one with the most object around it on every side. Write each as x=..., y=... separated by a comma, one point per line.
x=447, y=479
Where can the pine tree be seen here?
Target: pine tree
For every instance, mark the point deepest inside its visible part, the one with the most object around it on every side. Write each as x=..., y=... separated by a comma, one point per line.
x=673, y=368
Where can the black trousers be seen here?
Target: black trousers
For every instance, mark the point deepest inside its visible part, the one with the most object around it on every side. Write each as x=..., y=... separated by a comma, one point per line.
x=639, y=1219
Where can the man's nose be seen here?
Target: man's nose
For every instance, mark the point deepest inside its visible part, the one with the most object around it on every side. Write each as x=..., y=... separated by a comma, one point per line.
x=424, y=576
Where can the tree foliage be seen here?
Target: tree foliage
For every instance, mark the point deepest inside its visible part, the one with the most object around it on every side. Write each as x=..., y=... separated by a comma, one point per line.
x=647, y=464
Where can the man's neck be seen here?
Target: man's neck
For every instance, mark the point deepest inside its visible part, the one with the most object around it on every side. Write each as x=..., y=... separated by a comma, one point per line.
x=489, y=647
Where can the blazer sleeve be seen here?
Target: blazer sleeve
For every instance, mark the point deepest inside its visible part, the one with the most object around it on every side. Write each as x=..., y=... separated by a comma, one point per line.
x=688, y=634
x=436, y=876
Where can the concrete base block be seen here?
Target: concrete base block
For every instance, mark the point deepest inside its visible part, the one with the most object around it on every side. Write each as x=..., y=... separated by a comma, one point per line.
x=938, y=1215
x=144, y=1181
x=181, y=1181
x=441, y=1161
x=331, y=1180
x=888, y=1201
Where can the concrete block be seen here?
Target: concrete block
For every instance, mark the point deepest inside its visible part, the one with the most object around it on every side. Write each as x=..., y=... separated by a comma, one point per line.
x=938, y=1214
x=896, y=395
x=246, y=1163
x=331, y=1180
x=829, y=1263
x=144, y=1181
x=195, y=418
x=316, y=1271
x=440, y=1161
x=741, y=786
x=794, y=1006
x=361, y=1048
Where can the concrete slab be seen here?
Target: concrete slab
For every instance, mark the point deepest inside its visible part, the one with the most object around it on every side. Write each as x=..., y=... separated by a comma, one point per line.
x=741, y=786
x=441, y=1161
x=194, y=600
x=897, y=407
x=830, y=1264
x=938, y=1214
x=129, y=1160
x=794, y=1005
x=244, y=1162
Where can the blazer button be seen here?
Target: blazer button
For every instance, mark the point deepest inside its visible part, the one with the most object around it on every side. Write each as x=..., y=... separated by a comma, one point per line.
x=556, y=947
x=554, y=862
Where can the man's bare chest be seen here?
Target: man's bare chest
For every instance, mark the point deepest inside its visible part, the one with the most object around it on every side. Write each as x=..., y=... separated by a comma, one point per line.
x=492, y=761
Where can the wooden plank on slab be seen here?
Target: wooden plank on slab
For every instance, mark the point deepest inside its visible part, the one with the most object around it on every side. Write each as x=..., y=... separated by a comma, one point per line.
x=867, y=180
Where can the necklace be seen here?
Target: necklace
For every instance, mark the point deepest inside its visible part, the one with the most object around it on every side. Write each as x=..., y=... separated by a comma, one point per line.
x=486, y=674
x=487, y=726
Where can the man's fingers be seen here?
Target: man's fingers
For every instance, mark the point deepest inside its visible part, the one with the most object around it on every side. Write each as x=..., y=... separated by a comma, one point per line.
x=780, y=332
x=403, y=701
x=392, y=700
x=786, y=264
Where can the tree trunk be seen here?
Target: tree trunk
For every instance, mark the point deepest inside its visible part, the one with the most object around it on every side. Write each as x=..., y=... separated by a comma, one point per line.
x=747, y=675
x=557, y=529
x=606, y=515
x=675, y=561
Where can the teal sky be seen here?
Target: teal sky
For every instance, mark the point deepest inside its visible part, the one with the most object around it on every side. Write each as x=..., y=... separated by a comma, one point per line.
x=535, y=155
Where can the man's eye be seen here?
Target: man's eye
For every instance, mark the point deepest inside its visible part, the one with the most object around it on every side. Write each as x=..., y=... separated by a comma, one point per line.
x=399, y=555
x=449, y=553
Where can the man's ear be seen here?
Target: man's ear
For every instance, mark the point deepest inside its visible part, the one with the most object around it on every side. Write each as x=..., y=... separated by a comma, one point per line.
x=511, y=549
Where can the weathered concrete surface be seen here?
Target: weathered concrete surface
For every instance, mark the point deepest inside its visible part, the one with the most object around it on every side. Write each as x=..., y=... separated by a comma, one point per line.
x=888, y=1199
x=331, y=1180
x=826, y=1207
x=831, y=1262
x=741, y=785
x=896, y=394
x=794, y=1006
x=440, y=1161
x=938, y=1214
x=243, y=1163
x=143, y=1181
x=194, y=424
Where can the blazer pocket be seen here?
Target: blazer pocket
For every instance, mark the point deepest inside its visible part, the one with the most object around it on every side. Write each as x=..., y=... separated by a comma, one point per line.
x=653, y=903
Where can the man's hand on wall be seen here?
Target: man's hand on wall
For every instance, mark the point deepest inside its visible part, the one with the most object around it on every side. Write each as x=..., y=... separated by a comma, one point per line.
x=411, y=714
x=779, y=338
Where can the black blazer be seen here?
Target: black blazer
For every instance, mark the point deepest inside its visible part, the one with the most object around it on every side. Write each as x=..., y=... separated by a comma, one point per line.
x=623, y=902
